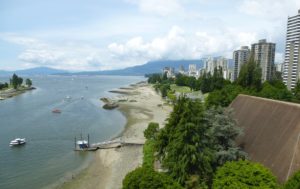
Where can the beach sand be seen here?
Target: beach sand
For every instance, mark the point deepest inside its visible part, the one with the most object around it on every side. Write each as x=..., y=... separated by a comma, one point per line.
x=110, y=166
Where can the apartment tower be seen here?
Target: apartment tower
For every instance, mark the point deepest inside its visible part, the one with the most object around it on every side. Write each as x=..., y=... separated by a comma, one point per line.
x=240, y=57
x=264, y=54
x=291, y=70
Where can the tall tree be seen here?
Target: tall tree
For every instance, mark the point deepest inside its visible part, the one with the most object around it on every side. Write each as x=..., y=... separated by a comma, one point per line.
x=250, y=75
x=194, y=142
x=28, y=82
x=14, y=81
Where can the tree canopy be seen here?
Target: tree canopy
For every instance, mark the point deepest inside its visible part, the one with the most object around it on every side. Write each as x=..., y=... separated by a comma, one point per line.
x=244, y=175
x=195, y=142
x=145, y=178
x=293, y=182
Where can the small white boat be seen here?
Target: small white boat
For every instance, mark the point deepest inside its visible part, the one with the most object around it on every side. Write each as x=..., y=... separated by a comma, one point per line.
x=17, y=142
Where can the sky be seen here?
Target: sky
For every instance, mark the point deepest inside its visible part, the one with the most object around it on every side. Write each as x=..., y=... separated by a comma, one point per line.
x=82, y=35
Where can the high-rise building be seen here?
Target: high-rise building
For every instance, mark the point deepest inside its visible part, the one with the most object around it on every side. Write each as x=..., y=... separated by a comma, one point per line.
x=181, y=70
x=264, y=54
x=193, y=70
x=291, y=71
x=279, y=67
x=240, y=57
x=169, y=71
x=219, y=62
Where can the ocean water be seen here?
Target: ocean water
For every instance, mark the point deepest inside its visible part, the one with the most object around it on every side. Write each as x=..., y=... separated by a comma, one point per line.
x=48, y=156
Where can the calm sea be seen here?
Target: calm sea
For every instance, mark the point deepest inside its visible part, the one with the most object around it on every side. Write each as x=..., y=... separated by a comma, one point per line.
x=48, y=156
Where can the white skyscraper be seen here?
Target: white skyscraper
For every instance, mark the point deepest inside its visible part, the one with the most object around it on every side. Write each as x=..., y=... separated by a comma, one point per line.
x=291, y=71
x=193, y=70
x=240, y=57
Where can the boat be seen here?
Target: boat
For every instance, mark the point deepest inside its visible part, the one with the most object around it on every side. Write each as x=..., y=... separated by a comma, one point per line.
x=82, y=144
x=17, y=142
x=56, y=111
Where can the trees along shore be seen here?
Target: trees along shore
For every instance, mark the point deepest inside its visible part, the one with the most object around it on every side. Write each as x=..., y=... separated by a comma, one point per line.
x=14, y=87
x=197, y=148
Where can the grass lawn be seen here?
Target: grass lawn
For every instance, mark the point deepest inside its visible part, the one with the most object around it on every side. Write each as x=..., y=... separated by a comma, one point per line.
x=180, y=89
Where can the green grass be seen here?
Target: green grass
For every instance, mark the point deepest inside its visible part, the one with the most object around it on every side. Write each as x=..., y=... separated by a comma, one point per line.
x=148, y=150
x=180, y=89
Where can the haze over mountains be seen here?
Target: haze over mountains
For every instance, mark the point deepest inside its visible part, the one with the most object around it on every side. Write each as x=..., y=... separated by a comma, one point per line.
x=149, y=67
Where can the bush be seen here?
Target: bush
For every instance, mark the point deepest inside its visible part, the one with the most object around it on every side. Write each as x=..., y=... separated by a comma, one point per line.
x=145, y=178
x=151, y=131
x=293, y=182
x=148, y=159
x=243, y=174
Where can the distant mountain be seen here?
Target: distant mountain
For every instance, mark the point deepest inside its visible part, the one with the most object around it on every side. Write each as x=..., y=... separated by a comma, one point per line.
x=34, y=71
x=149, y=67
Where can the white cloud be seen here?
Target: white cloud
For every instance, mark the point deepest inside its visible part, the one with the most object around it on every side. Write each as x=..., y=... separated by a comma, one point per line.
x=270, y=9
x=62, y=56
x=179, y=45
x=160, y=7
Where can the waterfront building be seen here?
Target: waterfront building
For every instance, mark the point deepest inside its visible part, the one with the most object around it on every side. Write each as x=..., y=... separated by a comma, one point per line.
x=240, y=57
x=264, y=54
x=291, y=71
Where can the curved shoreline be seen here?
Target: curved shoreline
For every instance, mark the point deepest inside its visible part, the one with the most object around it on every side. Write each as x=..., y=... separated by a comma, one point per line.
x=109, y=166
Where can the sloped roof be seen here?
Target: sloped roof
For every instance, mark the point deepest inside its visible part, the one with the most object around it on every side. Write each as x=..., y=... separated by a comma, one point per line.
x=271, y=133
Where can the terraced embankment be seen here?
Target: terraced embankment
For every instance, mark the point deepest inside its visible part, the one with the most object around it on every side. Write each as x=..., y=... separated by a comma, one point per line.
x=271, y=133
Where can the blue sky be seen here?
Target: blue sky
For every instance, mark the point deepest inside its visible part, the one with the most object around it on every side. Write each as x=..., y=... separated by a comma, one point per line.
x=101, y=34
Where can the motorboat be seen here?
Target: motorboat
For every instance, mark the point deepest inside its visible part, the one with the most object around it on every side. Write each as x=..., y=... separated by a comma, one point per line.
x=17, y=142
x=56, y=111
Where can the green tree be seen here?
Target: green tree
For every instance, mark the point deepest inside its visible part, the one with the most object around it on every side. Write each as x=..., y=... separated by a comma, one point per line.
x=296, y=91
x=276, y=91
x=14, y=81
x=151, y=131
x=28, y=82
x=145, y=178
x=224, y=96
x=293, y=182
x=195, y=142
x=250, y=75
x=243, y=175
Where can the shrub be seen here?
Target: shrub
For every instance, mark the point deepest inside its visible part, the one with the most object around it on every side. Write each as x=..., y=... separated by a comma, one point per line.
x=145, y=178
x=243, y=174
x=293, y=182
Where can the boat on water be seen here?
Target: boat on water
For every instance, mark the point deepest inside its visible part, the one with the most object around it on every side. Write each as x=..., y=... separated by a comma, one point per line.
x=17, y=142
x=57, y=111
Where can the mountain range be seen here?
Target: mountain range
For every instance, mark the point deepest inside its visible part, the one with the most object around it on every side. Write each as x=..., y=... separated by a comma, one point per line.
x=34, y=71
x=149, y=67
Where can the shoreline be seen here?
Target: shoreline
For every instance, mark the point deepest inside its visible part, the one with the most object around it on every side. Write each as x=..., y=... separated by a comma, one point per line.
x=109, y=166
x=9, y=93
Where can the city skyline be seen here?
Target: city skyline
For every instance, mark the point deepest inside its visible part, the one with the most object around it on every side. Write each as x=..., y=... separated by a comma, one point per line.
x=117, y=34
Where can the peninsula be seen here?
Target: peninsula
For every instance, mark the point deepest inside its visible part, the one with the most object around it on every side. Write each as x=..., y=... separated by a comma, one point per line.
x=15, y=87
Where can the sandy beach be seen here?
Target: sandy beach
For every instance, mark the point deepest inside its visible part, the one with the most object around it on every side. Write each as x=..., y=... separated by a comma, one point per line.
x=140, y=104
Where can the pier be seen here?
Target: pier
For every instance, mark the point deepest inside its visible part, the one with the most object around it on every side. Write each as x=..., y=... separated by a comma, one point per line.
x=116, y=143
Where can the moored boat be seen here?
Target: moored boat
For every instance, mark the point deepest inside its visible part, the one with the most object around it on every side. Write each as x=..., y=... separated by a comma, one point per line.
x=17, y=142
